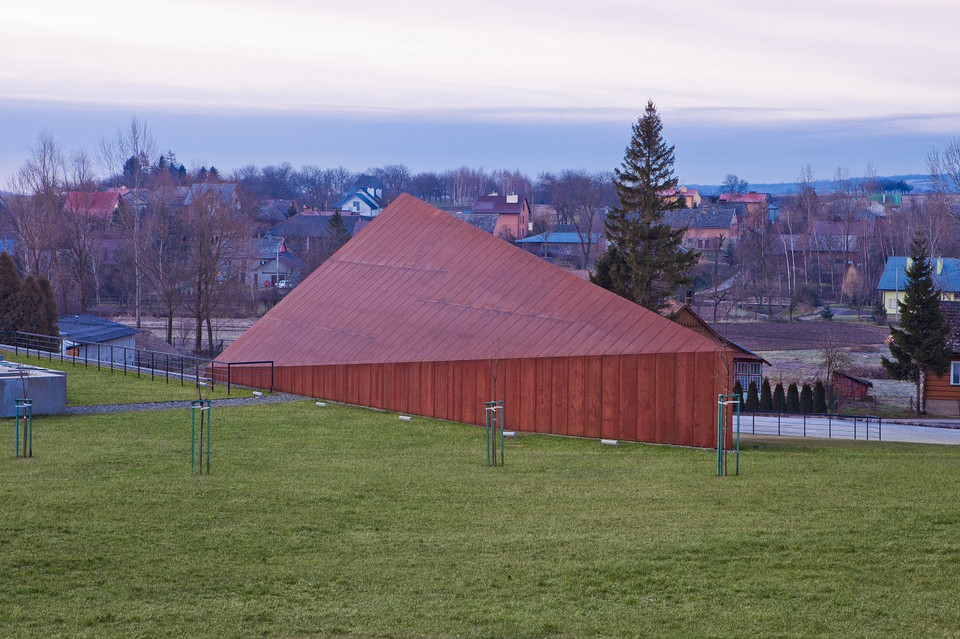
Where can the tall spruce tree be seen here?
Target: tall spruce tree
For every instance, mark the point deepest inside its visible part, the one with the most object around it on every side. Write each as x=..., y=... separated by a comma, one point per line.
x=644, y=261
x=919, y=346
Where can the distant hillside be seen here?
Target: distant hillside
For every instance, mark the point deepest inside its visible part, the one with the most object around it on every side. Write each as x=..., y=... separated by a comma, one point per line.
x=919, y=183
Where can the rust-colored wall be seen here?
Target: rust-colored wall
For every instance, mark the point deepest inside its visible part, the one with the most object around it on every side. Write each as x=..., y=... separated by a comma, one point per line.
x=667, y=398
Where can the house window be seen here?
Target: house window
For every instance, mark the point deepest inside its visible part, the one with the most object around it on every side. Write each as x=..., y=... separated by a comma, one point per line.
x=955, y=373
x=891, y=303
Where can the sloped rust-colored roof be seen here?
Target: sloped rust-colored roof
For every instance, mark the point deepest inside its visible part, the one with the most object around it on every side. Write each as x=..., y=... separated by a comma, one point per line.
x=417, y=284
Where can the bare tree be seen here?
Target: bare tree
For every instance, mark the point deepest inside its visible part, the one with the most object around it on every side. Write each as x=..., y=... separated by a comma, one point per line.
x=580, y=198
x=165, y=268
x=80, y=228
x=216, y=244
x=38, y=188
x=130, y=153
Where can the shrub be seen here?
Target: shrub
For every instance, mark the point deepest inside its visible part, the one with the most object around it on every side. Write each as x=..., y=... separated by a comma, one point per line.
x=766, y=399
x=806, y=399
x=779, y=403
x=793, y=398
x=819, y=398
x=753, y=400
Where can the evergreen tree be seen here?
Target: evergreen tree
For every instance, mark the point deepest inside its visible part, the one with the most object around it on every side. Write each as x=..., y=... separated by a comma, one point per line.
x=50, y=313
x=919, y=346
x=644, y=261
x=9, y=289
x=819, y=398
x=753, y=400
x=779, y=402
x=766, y=399
x=337, y=233
x=806, y=399
x=738, y=389
x=793, y=398
x=28, y=309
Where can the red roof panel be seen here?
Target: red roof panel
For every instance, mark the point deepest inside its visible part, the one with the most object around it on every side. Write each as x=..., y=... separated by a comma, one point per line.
x=417, y=284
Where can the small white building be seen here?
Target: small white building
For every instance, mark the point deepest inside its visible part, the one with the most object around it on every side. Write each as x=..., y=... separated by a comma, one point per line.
x=92, y=338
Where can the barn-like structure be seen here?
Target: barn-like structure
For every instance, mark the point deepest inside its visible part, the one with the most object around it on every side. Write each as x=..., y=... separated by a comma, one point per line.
x=424, y=314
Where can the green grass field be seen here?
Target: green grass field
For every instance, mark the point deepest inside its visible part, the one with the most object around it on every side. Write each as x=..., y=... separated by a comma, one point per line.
x=344, y=522
x=86, y=385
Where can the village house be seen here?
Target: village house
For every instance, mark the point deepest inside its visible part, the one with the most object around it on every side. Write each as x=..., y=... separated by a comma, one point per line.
x=365, y=197
x=512, y=211
x=691, y=197
x=941, y=393
x=747, y=365
x=709, y=228
x=946, y=277
x=564, y=245
x=304, y=231
x=756, y=210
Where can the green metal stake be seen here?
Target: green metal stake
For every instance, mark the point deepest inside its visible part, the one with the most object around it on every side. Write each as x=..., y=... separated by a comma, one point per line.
x=723, y=400
x=24, y=413
x=196, y=463
x=494, y=414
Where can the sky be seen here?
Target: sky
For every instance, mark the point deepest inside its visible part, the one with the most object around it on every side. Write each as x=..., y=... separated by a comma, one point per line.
x=755, y=88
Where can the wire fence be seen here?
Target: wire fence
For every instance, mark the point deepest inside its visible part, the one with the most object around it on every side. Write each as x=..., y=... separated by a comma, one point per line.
x=169, y=367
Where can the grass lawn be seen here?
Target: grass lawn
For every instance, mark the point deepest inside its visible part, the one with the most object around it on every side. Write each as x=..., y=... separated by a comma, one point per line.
x=346, y=522
x=86, y=385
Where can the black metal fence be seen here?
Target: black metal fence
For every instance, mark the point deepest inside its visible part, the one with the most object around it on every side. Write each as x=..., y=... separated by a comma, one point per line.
x=134, y=361
x=829, y=425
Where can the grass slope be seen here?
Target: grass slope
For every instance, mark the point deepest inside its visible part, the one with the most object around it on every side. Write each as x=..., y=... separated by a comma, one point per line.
x=347, y=522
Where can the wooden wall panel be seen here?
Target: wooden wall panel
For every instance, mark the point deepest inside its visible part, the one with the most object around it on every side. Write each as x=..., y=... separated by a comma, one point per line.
x=511, y=395
x=576, y=389
x=544, y=399
x=684, y=398
x=528, y=395
x=456, y=391
x=561, y=400
x=663, y=399
x=364, y=382
x=628, y=398
x=426, y=391
x=593, y=413
x=469, y=393
x=667, y=398
x=610, y=396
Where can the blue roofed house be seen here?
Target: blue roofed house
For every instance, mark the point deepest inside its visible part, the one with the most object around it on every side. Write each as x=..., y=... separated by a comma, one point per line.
x=364, y=198
x=946, y=277
x=95, y=338
x=564, y=245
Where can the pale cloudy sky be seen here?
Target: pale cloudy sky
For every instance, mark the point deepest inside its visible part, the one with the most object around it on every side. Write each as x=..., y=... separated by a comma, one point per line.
x=757, y=88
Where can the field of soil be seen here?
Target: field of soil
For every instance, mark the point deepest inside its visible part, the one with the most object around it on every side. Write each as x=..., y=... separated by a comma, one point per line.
x=804, y=335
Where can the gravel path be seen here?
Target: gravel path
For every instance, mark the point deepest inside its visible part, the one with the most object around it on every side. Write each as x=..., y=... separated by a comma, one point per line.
x=273, y=398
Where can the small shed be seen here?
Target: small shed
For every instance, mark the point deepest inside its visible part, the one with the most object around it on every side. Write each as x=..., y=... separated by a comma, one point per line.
x=850, y=387
x=92, y=338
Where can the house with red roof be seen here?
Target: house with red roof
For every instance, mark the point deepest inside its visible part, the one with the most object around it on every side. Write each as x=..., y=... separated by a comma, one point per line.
x=755, y=207
x=512, y=211
x=101, y=205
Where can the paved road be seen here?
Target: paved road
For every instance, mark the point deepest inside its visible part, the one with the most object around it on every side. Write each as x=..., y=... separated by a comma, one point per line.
x=938, y=432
